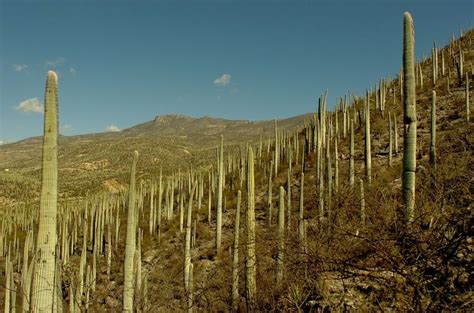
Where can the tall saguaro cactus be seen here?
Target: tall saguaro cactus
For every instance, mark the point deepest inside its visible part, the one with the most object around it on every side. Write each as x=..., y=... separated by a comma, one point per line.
x=351, y=156
x=281, y=235
x=409, y=118
x=433, y=130
x=187, y=246
x=43, y=289
x=235, y=261
x=250, y=266
x=219, y=197
x=368, y=154
x=301, y=213
x=130, y=244
x=468, y=110
x=390, y=139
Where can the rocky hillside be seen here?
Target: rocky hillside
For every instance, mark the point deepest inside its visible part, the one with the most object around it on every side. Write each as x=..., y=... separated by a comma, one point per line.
x=91, y=161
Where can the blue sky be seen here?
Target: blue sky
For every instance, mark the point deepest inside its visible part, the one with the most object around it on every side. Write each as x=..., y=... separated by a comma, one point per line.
x=120, y=63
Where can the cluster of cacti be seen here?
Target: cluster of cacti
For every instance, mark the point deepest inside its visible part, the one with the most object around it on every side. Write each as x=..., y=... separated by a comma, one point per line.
x=92, y=225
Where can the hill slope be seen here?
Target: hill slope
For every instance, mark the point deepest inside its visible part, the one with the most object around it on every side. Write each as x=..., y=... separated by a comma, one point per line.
x=168, y=141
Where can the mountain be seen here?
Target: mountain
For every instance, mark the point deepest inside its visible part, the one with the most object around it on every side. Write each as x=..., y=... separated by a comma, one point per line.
x=172, y=141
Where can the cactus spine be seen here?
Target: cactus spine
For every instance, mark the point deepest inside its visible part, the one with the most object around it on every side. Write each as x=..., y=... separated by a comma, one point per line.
x=219, y=197
x=433, y=130
x=409, y=119
x=250, y=266
x=235, y=262
x=42, y=297
x=130, y=244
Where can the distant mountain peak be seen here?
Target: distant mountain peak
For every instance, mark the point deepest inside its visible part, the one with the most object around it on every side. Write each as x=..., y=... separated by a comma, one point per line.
x=171, y=117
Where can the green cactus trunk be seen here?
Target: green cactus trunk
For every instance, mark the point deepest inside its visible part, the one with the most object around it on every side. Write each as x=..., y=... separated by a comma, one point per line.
x=301, y=214
x=368, y=154
x=433, y=130
x=362, y=202
x=219, y=198
x=130, y=244
x=250, y=266
x=409, y=119
x=42, y=296
x=390, y=140
x=281, y=235
x=468, y=110
x=277, y=149
x=235, y=262
x=395, y=134
x=187, y=246
x=270, y=195
x=160, y=199
x=351, y=155
x=288, y=198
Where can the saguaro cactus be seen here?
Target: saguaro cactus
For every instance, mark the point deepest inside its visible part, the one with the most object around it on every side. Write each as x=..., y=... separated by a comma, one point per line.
x=433, y=130
x=409, y=119
x=235, y=262
x=187, y=248
x=277, y=149
x=270, y=196
x=301, y=213
x=42, y=297
x=351, y=155
x=362, y=202
x=219, y=198
x=390, y=139
x=281, y=235
x=250, y=266
x=395, y=134
x=130, y=244
x=468, y=110
x=368, y=154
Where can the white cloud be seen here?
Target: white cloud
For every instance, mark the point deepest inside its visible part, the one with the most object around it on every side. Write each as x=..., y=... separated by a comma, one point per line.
x=66, y=127
x=112, y=128
x=20, y=67
x=55, y=63
x=31, y=105
x=73, y=71
x=223, y=80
